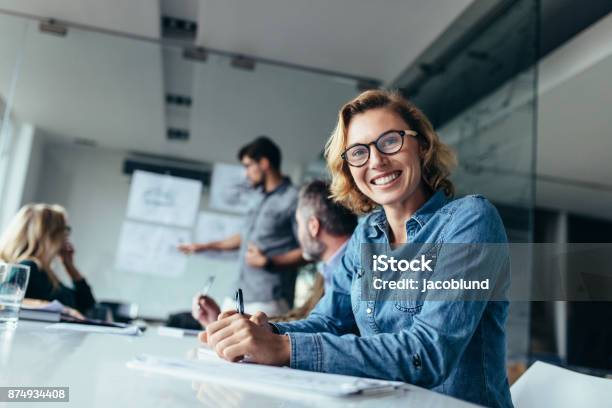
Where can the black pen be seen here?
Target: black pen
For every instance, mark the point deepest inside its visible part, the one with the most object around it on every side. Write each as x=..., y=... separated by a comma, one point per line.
x=239, y=302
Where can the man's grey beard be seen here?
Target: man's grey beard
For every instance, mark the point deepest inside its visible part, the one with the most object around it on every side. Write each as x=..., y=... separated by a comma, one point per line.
x=312, y=250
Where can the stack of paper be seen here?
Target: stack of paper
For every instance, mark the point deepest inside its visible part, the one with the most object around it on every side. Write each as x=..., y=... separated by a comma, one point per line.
x=262, y=378
x=127, y=330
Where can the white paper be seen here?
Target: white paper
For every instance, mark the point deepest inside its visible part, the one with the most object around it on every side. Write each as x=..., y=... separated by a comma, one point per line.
x=546, y=385
x=151, y=250
x=163, y=199
x=230, y=190
x=214, y=227
x=90, y=328
x=262, y=378
x=175, y=332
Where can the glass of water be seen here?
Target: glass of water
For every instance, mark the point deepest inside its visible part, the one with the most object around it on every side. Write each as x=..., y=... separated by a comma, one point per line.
x=13, y=284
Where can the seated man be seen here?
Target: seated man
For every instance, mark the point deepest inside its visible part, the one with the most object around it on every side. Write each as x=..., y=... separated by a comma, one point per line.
x=324, y=228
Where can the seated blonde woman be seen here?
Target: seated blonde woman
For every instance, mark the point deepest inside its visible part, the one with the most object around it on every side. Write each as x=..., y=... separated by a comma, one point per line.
x=36, y=236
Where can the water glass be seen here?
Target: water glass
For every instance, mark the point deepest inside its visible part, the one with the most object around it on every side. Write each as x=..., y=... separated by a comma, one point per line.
x=13, y=284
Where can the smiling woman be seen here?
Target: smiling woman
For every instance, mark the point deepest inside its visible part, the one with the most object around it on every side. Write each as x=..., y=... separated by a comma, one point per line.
x=385, y=155
x=387, y=112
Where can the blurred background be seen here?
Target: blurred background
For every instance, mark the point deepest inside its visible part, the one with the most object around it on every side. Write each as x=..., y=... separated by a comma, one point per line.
x=91, y=92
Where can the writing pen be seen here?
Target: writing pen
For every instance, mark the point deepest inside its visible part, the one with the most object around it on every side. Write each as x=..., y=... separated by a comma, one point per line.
x=239, y=302
x=205, y=289
x=240, y=310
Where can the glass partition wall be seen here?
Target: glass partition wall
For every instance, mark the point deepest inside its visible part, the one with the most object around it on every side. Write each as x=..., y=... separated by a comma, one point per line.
x=481, y=94
x=12, y=36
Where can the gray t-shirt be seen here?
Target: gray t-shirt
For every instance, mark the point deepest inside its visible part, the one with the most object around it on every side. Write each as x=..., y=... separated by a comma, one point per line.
x=271, y=226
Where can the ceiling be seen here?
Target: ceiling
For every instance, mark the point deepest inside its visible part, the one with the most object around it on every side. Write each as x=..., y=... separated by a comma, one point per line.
x=138, y=17
x=358, y=37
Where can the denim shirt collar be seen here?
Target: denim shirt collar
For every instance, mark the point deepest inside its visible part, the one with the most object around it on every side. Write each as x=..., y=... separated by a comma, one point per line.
x=378, y=220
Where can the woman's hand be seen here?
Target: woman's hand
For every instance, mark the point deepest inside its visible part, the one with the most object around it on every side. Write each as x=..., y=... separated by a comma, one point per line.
x=73, y=312
x=235, y=337
x=41, y=304
x=204, y=309
x=67, y=253
x=67, y=256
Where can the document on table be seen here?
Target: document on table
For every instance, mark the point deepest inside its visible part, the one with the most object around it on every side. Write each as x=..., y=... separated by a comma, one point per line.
x=131, y=330
x=261, y=378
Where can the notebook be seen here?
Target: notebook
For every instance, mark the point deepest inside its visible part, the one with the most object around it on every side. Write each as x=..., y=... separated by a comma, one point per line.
x=39, y=315
x=261, y=378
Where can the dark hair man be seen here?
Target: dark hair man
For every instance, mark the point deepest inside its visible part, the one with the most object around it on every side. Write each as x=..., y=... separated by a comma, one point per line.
x=269, y=250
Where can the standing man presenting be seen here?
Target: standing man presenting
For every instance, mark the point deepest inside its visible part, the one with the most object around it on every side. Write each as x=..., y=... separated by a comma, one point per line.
x=269, y=251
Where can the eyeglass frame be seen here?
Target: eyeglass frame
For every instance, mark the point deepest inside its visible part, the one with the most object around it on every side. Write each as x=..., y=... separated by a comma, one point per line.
x=402, y=133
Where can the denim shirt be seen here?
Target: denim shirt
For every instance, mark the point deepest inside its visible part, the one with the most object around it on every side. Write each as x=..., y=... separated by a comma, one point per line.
x=453, y=347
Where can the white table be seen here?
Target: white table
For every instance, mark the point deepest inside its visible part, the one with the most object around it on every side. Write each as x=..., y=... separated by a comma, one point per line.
x=94, y=367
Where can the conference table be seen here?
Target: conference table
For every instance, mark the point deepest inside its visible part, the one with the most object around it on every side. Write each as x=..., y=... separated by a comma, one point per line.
x=93, y=366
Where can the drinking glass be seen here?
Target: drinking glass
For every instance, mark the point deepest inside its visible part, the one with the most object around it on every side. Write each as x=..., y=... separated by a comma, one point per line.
x=13, y=284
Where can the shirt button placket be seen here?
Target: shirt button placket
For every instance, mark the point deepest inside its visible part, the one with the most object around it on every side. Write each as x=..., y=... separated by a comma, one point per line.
x=370, y=316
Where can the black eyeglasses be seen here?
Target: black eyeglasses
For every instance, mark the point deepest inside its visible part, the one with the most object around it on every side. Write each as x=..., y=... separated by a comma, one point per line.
x=388, y=143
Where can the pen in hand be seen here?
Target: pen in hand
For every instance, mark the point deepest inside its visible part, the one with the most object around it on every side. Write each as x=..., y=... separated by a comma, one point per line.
x=239, y=302
x=204, y=309
x=205, y=289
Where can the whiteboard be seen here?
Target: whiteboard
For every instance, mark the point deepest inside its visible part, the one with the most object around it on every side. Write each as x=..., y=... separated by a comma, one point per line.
x=148, y=249
x=230, y=190
x=212, y=226
x=163, y=199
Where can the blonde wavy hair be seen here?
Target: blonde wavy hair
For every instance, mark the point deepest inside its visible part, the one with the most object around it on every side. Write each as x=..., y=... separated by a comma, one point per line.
x=437, y=158
x=35, y=233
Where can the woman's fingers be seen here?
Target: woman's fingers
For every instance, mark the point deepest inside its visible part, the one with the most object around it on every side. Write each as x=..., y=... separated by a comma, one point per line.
x=236, y=351
x=222, y=329
x=229, y=341
x=222, y=321
x=226, y=314
x=260, y=319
